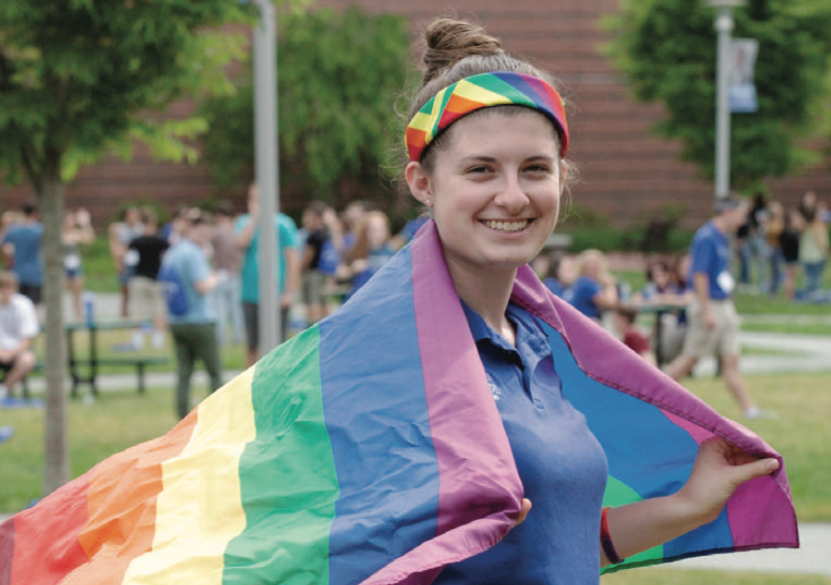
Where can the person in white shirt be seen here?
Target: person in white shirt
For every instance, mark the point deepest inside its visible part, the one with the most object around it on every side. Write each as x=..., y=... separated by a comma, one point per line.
x=18, y=328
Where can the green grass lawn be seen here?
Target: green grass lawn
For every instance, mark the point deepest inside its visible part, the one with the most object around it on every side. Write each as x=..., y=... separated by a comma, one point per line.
x=116, y=421
x=823, y=329
x=801, y=433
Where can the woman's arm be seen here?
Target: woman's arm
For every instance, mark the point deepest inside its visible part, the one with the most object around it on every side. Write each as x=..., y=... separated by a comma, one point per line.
x=719, y=469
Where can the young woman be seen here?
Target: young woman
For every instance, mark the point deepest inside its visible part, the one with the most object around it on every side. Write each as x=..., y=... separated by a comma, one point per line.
x=372, y=249
x=493, y=179
x=76, y=231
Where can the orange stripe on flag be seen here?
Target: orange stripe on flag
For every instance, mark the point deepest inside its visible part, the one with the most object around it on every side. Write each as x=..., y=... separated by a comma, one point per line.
x=122, y=500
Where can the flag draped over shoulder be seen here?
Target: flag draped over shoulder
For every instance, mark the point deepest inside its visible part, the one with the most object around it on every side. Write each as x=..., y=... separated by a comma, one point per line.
x=368, y=450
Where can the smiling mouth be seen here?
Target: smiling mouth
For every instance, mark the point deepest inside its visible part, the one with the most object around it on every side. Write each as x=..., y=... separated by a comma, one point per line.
x=508, y=226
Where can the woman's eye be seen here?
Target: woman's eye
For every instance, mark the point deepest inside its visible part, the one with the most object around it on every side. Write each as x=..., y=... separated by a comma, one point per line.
x=538, y=168
x=479, y=169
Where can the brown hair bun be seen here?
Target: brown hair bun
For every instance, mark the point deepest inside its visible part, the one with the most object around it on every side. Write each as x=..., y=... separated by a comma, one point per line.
x=449, y=40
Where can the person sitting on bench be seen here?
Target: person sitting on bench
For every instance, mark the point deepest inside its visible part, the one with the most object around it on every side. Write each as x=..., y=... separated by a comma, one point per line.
x=18, y=327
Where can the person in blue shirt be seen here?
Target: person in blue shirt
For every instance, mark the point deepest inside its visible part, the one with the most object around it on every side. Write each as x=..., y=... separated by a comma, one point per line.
x=188, y=278
x=288, y=270
x=561, y=273
x=594, y=290
x=371, y=251
x=492, y=178
x=712, y=321
x=23, y=242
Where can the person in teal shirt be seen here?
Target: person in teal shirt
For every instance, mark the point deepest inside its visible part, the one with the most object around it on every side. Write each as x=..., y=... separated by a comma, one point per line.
x=288, y=269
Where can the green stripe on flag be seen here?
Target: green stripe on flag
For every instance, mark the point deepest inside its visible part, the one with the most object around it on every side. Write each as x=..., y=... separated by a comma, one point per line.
x=287, y=474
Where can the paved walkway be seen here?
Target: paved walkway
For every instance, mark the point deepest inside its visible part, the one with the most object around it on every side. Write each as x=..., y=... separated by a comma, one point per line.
x=790, y=353
x=812, y=558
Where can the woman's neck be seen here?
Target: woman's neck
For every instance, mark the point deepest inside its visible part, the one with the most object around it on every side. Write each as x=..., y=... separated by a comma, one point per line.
x=487, y=293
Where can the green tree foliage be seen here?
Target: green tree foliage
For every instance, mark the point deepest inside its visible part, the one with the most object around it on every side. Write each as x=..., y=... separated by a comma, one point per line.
x=667, y=51
x=79, y=79
x=339, y=74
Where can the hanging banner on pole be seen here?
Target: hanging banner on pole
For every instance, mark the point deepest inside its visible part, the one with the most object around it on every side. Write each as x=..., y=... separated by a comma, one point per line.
x=741, y=91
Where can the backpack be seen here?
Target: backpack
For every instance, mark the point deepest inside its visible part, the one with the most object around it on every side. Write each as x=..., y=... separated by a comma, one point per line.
x=174, y=290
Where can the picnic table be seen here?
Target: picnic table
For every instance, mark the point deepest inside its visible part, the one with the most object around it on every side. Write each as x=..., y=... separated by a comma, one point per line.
x=93, y=362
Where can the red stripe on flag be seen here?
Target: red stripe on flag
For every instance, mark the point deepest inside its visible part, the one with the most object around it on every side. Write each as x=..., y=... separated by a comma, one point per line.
x=89, y=531
x=46, y=544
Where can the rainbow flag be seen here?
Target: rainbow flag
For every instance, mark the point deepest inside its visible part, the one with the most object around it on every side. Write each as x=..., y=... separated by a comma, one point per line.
x=368, y=450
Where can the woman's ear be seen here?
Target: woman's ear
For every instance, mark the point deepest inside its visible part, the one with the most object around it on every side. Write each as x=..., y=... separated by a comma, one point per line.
x=419, y=183
x=563, y=175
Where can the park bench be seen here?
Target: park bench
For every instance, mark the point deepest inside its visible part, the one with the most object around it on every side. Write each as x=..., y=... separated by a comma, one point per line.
x=140, y=363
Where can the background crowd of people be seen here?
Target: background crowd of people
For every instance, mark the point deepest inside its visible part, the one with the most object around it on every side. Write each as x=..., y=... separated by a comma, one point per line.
x=325, y=260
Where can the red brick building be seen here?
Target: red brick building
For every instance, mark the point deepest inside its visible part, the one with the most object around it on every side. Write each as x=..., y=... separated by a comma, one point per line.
x=627, y=173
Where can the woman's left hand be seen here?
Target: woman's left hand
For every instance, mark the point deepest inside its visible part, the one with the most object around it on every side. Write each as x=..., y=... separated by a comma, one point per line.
x=523, y=513
x=720, y=467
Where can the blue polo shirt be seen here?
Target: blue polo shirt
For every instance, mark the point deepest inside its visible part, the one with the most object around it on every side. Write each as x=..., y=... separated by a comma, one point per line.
x=710, y=254
x=561, y=464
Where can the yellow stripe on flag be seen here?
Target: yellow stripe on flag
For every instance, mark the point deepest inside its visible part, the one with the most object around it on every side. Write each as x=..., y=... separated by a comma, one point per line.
x=200, y=511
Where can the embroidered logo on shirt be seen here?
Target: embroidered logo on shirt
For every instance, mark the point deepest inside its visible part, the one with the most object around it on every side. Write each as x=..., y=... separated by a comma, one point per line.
x=496, y=391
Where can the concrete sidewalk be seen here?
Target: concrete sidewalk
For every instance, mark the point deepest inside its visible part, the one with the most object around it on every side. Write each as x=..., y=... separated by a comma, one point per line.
x=812, y=558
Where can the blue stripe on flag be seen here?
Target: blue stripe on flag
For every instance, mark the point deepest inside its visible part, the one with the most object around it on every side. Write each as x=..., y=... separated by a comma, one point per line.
x=619, y=421
x=380, y=434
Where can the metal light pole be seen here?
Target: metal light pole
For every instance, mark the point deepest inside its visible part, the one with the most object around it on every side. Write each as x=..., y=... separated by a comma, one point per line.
x=724, y=27
x=267, y=172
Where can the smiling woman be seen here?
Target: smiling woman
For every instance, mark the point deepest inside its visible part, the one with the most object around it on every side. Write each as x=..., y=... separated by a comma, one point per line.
x=486, y=141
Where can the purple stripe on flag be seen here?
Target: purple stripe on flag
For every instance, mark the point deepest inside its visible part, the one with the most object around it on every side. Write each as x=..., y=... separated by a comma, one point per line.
x=696, y=432
x=750, y=524
x=455, y=383
x=479, y=488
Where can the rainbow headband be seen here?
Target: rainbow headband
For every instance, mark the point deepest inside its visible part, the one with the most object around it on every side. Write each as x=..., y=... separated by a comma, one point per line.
x=484, y=91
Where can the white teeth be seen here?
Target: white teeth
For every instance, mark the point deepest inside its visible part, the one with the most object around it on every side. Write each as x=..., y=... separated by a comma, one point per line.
x=507, y=226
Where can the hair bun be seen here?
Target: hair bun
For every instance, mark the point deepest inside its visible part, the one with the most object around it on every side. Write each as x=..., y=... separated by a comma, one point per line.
x=449, y=40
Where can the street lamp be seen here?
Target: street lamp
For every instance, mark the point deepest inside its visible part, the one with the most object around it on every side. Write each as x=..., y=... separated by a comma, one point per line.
x=267, y=172
x=724, y=27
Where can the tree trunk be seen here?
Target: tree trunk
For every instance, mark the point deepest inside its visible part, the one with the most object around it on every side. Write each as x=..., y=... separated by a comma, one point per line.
x=56, y=452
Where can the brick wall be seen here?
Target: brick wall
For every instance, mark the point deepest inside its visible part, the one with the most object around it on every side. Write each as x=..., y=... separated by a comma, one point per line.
x=627, y=174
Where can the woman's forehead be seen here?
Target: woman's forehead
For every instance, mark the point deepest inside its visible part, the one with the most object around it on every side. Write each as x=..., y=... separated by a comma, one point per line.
x=506, y=120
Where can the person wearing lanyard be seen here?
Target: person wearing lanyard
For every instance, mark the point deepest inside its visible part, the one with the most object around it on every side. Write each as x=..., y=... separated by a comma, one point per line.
x=713, y=321
x=488, y=163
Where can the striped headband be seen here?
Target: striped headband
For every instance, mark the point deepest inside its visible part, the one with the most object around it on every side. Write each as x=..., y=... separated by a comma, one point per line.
x=483, y=91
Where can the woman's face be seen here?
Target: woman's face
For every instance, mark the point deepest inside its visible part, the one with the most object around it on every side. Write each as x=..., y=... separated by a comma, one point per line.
x=660, y=276
x=495, y=189
x=377, y=232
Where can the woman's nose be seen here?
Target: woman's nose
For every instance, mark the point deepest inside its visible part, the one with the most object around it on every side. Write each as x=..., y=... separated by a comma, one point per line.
x=512, y=197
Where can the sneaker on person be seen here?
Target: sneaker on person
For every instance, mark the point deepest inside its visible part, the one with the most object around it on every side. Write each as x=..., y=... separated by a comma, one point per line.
x=756, y=413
